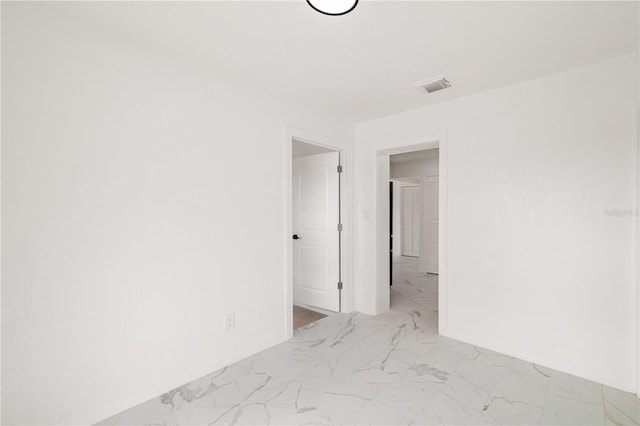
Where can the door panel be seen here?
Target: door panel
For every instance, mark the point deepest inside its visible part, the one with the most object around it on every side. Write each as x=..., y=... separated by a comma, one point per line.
x=315, y=221
x=314, y=191
x=314, y=261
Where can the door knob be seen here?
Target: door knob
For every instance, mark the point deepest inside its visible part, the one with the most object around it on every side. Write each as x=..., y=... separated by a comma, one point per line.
x=295, y=237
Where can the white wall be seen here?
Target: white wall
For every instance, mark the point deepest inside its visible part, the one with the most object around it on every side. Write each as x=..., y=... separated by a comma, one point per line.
x=537, y=266
x=123, y=244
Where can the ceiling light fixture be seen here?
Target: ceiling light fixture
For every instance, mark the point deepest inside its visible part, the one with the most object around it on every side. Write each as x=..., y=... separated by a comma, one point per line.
x=333, y=7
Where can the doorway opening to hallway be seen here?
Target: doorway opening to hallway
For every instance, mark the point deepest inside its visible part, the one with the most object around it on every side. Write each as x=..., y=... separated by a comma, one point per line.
x=410, y=182
x=413, y=225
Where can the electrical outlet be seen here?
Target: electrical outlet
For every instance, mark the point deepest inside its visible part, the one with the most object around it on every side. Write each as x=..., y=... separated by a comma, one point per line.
x=229, y=322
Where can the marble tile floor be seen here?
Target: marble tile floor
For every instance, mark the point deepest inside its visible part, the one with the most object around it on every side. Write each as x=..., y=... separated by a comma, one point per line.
x=392, y=369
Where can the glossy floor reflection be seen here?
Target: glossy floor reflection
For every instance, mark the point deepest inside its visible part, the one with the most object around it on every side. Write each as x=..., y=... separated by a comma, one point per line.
x=391, y=369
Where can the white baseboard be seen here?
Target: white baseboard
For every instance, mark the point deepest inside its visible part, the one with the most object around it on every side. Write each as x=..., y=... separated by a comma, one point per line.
x=623, y=383
x=105, y=411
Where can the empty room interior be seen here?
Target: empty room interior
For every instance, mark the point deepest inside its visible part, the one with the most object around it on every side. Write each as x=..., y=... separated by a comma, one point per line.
x=320, y=212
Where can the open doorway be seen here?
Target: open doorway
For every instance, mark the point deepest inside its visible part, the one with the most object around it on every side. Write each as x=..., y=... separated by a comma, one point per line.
x=414, y=231
x=415, y=215
x=316, y=232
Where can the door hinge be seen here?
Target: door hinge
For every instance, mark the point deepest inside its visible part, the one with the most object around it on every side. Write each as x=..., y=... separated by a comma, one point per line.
x=339, y=227
x=339, y=285
x=339, y=168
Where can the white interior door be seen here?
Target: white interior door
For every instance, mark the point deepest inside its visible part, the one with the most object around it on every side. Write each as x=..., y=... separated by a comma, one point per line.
x=432, y=224
x=315, y=229
x=410, y=219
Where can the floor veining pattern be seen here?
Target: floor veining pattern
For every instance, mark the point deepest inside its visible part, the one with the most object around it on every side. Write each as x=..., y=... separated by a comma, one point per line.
x=390, y=369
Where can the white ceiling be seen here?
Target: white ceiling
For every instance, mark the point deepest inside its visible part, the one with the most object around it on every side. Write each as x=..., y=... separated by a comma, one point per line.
x=362, y=65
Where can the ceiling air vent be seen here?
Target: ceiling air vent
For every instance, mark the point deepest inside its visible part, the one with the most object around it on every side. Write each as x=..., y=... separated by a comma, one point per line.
x=433, y=84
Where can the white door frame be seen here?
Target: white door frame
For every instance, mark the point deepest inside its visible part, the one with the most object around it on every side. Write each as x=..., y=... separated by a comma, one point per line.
x=426, y=239
x=637, y=247
x=380, y=154
x=346, y=159
x=637, y=241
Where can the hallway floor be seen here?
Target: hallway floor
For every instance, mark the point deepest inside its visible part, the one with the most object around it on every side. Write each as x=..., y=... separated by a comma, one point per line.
x=303, y=316
x=391, y=369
